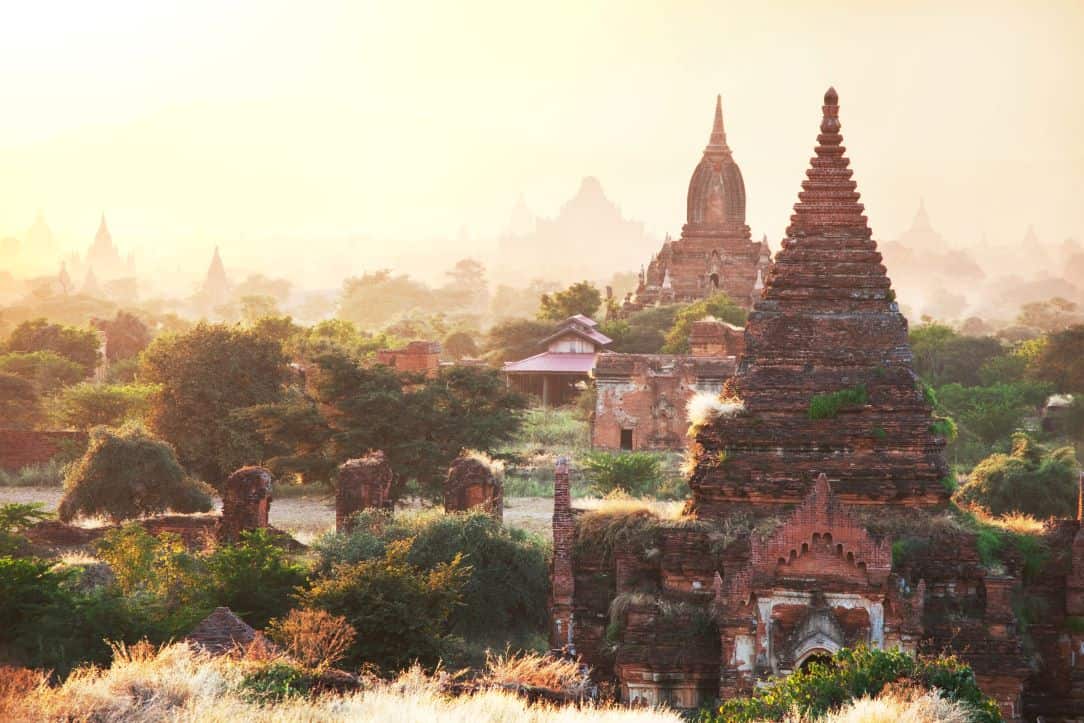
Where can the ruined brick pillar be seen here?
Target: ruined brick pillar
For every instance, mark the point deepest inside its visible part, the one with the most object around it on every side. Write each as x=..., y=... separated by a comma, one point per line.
x=364, y=483
x=1074, y=581
x=471, y=484
x=563, y=582
x=246, y=502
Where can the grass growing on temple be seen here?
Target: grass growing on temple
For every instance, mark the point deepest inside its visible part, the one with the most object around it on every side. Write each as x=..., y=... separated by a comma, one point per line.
x=827, y=406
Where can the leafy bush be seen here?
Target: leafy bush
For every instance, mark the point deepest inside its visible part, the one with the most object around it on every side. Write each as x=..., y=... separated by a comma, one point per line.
x=48, y=624
x=20, y=405
x=158, y=573
x=275, y=682
x=508, y=580
x=943, y=427
x=857, y=673
x=635, y=473
x=47, y=370
x=827, y=406
x=253, y=577
x=399, y=611
x=316, y=638
x=1032, y=480
x=128, y=473
x=16, y=517
x=89, y=405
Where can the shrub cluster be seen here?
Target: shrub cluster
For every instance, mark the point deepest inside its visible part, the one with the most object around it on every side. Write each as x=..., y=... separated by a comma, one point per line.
x=857, y=673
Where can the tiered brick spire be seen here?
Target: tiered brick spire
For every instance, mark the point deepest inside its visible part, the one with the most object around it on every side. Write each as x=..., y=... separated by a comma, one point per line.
x=717, y=142
x=826, y=324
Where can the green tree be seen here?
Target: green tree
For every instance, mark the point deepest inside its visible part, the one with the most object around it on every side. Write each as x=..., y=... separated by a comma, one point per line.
x=1052, y=315
x=1032, y=480
x=420, y=424
x=943, y=356
x=127, y=473
x=1061, y=360
x=460, y=344
x=580, y=298
x=642, y=332
x=79, y=345
x=636, y=473
x=375, y=298
x=89, y=405
x=20, y=406
x=718, y=306
x=47, y=370
x=991, y=413
x=516, y=339
x=204, y=376
x=401, y=613
x=125, y=335
x=255, y=307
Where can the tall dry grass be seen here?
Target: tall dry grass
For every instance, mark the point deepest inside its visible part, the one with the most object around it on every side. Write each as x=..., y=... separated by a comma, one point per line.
x=895, y=707
x=176, y=684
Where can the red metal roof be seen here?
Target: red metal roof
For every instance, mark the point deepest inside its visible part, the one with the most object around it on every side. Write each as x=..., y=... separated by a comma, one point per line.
x=553, y=363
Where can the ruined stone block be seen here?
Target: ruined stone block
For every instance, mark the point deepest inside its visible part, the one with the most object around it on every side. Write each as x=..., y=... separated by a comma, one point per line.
x=364, y=484
x=246, y=502
x=472, y=483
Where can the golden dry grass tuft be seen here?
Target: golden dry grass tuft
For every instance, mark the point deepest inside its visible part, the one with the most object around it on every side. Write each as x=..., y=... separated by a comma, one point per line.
x=536, y=670
x=895, y=707
x=175, y=683
x=315, y=638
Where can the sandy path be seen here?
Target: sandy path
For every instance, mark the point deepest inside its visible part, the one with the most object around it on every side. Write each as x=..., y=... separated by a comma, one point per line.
x=308, y=517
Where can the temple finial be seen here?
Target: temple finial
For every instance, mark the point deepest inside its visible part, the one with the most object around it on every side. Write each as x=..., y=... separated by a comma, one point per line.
x=830, y=120
x=718, y=131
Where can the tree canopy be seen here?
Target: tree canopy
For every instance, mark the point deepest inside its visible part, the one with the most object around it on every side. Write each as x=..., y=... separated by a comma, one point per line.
x=580, y=298
x=204, y=377
x=719, y=306
x=78, y=345
x=1032, y=480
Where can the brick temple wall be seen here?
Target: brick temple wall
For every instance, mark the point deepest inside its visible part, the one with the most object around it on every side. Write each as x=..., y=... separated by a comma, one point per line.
x=22, y=447
x=647, y=394
x=419, y=357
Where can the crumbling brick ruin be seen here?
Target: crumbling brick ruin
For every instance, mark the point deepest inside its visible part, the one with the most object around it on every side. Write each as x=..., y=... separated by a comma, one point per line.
x=419, y=357
x=818, y=517
x=364, y=483
x=23, y=447
x=246, y=502
x=472, y=484
x=715, y=252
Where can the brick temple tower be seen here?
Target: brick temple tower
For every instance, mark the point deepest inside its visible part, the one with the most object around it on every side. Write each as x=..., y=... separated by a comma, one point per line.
x=715, y=252
x=826, y=378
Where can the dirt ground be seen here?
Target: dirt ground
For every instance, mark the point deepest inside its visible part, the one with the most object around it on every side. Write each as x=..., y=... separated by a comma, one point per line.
x=308, y=517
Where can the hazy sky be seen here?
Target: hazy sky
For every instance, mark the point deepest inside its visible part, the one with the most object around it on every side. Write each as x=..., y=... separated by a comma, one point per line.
x=195, y=122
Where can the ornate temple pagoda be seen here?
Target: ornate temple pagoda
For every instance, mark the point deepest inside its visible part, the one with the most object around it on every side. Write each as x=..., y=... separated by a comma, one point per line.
x=715, y=252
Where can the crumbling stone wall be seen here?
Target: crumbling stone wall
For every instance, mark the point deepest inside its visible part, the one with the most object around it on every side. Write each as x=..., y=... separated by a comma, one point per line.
x=22, y=447
x=471, y=484
x=246, y=502
x=420, y=357
x=364, y=483
x=645, y=395
x=711, y=337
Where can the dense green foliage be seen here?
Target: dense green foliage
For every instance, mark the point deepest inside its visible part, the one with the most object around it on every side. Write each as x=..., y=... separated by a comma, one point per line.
x=20, y=404
x=89, y=405
x=15, y=518
x=125, y=335
x=253, y=577
x=47, y=370
x=828, y=405
x=508, y=581
x=204, y=376
x=421, y=424
x=642, y=332
x=127, y=473
x=720, y=306
x=635, y=473
x=854, y=673
x=1032, y=480
x=1061, y=360
x=580, y=298
x=77, y=345
x=400, y=611
x=942, y=355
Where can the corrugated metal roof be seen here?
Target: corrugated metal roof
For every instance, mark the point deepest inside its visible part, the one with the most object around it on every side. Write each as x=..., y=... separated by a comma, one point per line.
x=553, y=362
